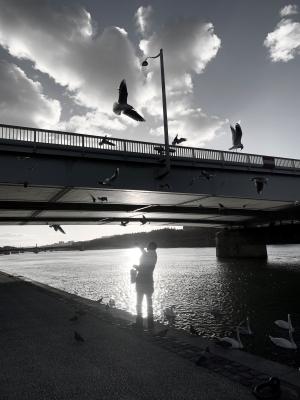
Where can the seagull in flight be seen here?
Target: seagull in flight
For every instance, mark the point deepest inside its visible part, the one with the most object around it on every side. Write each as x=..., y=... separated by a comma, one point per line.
x=107, y=181
x=104, y=140
x=236, y=137
x=122, y=107
x=57, y=228
x=259, y=183
x=178, y=140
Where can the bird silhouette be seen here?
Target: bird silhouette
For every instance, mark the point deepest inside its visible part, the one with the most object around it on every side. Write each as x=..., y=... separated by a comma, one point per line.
x=78, y=337
x=221, y=205
x=161, y=150
x=124, y=223
x=236, y=137
x=143, y=220
x=178, y=140
x=162, y=333
x=123, y=107
x=104, y=198
x=107, y=181
x=104, y=140
x=57, y=228
x=93, y=198
x=259, y=183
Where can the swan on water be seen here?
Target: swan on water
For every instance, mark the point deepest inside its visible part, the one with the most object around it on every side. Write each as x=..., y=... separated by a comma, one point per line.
x=285, y=343
x=245, y=329
x=234, y=343
x=285, y=324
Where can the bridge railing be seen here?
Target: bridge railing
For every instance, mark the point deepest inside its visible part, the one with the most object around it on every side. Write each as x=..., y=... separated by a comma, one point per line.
x=67, y=139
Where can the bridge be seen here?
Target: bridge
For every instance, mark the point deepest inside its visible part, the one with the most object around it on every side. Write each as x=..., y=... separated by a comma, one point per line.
x=53, y=177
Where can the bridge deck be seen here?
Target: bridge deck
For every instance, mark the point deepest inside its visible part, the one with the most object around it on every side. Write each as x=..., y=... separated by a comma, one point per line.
x=49, y=176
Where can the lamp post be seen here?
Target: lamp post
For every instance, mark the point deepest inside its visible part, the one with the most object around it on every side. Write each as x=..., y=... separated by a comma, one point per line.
x=164, y=102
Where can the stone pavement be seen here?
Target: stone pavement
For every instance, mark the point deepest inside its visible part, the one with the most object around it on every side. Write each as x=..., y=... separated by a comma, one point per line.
x=40, y=359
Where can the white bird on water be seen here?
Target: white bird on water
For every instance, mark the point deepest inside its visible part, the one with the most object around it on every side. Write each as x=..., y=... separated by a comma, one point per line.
x=245, y=329
x=236, y=137
x=121, y=105
x=285, y=324
x=285, y=343
x=234, y=343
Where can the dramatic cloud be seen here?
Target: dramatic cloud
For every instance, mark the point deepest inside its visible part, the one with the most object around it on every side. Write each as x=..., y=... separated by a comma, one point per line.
x=142, y=19
x=291, y=9
x=22, y=101
x=284, y=42
x=88, y=64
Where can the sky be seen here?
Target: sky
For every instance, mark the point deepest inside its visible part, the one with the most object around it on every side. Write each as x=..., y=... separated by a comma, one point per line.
x=61, y=63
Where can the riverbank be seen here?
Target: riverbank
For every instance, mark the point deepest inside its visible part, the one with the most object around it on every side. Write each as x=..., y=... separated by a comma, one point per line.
x=40, y=359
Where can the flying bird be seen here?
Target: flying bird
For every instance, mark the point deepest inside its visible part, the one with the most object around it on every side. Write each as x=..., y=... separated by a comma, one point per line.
x=104, y=198
x=178, y=140
x=161, y=150
x=259, y=183
x=107, y=181
x=93, y=198
x=203, y=174
x=104, y=140
x=236, y=137
x=122, y=107
x=143, y=220
x=57, y=228
x=78, y=337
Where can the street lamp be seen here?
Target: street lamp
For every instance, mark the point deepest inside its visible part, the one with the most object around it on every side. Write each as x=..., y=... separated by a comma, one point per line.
x=164, y=102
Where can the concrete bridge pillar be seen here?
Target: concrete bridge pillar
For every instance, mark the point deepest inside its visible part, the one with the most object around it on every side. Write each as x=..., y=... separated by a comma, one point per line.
x=240, y=244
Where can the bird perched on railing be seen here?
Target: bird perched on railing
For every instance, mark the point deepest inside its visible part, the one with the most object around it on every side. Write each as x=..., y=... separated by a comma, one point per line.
x=107, y=181
x=57, y=228
x=178, y=140
x=123, y=107
x=259, y=183
x=104, y=140
x=236, y=137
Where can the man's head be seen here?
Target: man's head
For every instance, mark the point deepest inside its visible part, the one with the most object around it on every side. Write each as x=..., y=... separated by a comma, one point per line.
x=152, y=246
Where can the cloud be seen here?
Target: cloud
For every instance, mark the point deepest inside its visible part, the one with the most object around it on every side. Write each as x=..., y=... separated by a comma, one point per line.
x=290, y=9
x=22, y=101
x=284, y=42
x=142, y=19
x=88, y=62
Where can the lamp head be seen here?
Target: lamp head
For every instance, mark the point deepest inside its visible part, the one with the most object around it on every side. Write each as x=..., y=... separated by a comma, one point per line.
x=145, y=63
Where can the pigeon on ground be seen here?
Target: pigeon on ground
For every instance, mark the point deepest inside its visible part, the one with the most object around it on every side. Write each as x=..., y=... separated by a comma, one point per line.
x=107, y=181
x=57, y=228
x=78, y=337
x=122, y=107
x=104, y=140
x=162, y=333
x=178, y=140
x=259, y=183
x=236, y=137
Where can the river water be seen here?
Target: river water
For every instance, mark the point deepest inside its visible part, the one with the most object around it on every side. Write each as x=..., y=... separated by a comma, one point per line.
x=212, y=295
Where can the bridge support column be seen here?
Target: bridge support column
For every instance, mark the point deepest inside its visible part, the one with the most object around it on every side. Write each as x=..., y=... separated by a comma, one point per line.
x=240, y=244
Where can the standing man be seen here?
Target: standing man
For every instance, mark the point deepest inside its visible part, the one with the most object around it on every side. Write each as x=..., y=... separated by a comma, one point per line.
x=145, y=284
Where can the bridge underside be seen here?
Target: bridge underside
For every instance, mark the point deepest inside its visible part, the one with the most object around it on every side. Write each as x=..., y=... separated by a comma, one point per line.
x=25, y=204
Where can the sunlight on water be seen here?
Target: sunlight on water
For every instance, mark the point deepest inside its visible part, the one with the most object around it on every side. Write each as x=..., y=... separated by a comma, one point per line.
x=212, y=295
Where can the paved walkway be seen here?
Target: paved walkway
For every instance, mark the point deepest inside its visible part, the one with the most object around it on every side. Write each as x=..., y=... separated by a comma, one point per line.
x=40, y=359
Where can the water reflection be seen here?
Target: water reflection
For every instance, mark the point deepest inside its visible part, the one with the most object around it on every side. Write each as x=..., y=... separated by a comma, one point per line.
x=214, y=296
